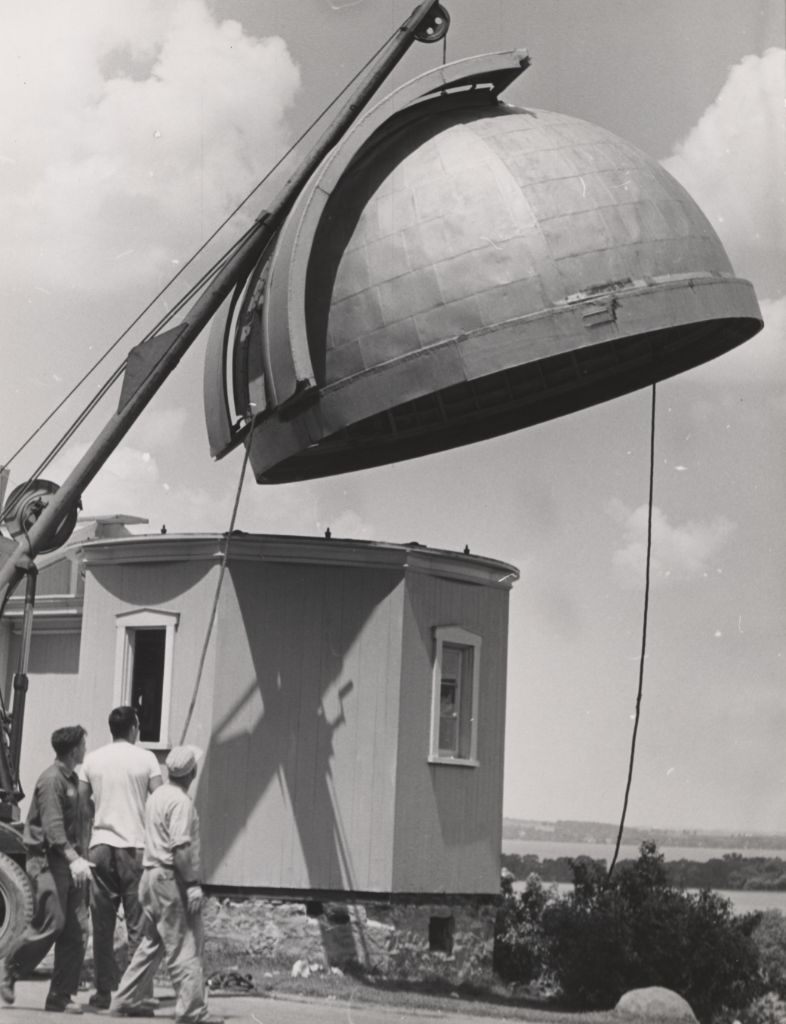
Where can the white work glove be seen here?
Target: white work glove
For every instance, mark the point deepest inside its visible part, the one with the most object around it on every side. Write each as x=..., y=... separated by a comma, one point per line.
x=194, y=898
x=81, y=870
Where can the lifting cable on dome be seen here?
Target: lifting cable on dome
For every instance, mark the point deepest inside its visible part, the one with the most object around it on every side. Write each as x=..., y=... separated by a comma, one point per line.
x=179, y=305
x=637, y=715
x=214, y=607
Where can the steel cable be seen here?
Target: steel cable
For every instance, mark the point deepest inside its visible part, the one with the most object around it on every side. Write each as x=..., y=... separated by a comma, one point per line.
x=639, y=692
x=216, y=596
x=239, y=206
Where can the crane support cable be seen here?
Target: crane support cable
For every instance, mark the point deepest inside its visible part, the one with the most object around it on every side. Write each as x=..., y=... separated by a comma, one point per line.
x=239, y=206
x=93, y=402
x=216, y=596
x=645, y=618
x=64, y=499
x=66, y=436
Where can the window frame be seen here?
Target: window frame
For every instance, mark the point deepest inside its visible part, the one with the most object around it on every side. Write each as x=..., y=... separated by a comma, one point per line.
x=455, y=636
x=127, y=623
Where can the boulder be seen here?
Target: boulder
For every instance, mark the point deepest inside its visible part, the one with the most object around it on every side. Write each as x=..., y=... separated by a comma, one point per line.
x=655, y=1002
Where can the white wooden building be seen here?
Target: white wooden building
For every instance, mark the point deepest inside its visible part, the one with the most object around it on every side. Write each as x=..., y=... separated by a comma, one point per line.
x=351, y=701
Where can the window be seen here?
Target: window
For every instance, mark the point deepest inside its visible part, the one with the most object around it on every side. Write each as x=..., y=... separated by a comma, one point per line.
x=454, y=700
x=440, y=934
x=143, y=670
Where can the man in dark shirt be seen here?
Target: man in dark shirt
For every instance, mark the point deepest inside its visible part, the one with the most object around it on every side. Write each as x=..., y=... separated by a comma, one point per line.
x=53, y=838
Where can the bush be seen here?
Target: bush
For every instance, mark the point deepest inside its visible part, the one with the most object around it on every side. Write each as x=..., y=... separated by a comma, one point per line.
x=518, y=936
x=635, y=931
x=767, y=1009
x=770, y=938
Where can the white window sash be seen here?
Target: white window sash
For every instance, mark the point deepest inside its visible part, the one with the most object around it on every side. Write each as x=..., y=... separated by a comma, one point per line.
x=459, y=637
x=127, y=623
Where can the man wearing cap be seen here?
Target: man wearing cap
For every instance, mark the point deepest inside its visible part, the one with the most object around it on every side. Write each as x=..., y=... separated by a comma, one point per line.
x=59, y=872
x=171, y=898
x=117, y=778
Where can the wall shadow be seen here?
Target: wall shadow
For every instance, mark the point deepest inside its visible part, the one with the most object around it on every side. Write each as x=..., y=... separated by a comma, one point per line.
x=298, y=651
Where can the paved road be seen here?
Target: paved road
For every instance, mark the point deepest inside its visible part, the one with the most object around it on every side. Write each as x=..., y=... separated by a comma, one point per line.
x=30, y=995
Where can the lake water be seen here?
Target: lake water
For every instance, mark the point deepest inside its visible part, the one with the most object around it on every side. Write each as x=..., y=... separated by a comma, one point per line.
x=605, y=851
x=743, y=901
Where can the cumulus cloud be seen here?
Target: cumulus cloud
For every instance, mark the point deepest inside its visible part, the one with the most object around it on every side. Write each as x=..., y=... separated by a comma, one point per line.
x=761, y=360
x=156, y=424
x=133, y=482
x=349, y=524
x=127, y=477
x=733, y=163
x=134, y=129
x=680, y=552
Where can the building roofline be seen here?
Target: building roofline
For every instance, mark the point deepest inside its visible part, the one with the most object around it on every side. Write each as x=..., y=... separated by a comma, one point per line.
x=292, y=549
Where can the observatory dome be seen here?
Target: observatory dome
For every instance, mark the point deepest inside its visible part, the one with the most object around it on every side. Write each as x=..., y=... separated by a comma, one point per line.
x=475, y=268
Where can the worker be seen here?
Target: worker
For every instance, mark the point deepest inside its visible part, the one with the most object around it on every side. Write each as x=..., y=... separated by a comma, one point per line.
x=59, y=872
x=172, y=898
x=117, y=778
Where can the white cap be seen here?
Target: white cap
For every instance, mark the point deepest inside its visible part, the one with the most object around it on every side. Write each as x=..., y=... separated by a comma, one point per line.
x=181, y=761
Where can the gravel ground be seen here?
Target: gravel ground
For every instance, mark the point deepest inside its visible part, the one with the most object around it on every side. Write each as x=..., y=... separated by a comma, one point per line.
x=30, y=996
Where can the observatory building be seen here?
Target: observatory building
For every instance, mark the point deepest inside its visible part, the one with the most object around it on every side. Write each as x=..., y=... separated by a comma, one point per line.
x=350, y=705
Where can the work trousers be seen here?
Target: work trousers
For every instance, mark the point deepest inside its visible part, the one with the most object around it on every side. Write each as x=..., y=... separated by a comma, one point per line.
x=60, y=909
x=170, y=932
x=115, y=883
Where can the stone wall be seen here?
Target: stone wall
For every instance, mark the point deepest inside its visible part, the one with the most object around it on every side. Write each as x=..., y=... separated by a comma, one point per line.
x=452, y=940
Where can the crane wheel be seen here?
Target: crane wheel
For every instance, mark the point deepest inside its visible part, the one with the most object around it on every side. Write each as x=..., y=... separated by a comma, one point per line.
x=16, y=903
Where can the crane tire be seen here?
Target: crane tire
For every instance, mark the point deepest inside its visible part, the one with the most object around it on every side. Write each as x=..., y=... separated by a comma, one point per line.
x=16, y=903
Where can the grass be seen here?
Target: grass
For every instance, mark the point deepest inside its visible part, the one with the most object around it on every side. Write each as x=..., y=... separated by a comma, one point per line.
x=493, y=1002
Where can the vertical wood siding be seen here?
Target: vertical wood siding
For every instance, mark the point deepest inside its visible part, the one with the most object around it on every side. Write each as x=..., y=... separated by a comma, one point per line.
x=449, y=817
x=298, y=787
x=54, y=697
x=182, y=587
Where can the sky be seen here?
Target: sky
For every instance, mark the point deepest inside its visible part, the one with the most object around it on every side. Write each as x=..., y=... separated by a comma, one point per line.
x=131, y=128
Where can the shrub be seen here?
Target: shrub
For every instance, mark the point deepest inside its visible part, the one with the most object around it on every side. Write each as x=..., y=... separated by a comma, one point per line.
x=634, y=931
x=767, y=1009
x=770, y=938
x=518, y=936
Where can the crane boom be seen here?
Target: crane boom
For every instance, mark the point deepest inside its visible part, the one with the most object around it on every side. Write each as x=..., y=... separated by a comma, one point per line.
x=158, y=356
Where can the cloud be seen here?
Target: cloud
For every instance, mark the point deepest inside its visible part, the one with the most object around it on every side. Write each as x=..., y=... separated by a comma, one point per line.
x=349, y=524
x=133, y=482
x=156, y=424
x=134, y=130
x=680, y=552
x=761, y=360
x=733, y=163
x=126, y=478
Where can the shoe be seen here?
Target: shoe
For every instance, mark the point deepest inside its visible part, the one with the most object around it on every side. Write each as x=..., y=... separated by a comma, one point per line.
x=100, y=1000
x=7, y=982
x=62, y=1004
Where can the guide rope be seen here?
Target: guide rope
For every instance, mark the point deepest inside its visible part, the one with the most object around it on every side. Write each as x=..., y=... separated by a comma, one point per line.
x=217, y=594
x=637, y=715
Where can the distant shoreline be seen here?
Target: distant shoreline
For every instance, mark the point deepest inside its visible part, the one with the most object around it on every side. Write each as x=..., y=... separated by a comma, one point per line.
x=550, y=850
x=605, y=833
x=686, y=866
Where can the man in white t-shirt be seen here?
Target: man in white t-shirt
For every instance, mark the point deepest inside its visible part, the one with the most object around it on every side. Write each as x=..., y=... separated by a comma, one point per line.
x=118, y=778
